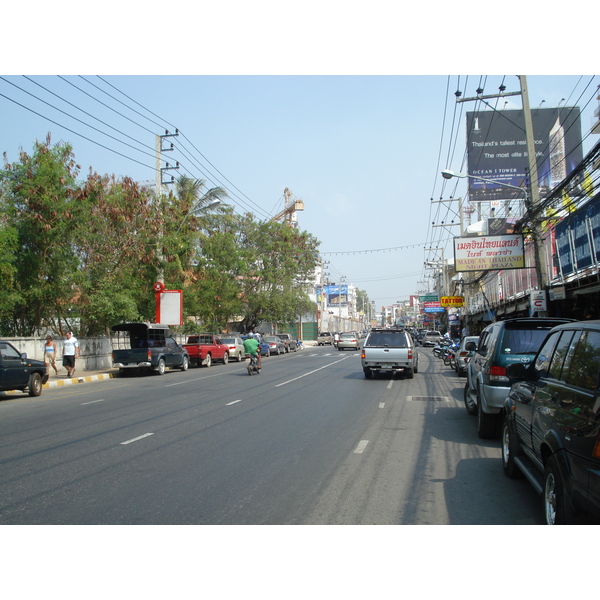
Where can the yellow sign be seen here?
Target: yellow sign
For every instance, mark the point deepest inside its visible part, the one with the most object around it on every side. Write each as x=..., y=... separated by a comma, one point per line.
x=452, y=301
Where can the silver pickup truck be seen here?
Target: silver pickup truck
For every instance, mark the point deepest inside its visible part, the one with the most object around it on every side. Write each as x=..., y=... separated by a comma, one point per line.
x=389, y=350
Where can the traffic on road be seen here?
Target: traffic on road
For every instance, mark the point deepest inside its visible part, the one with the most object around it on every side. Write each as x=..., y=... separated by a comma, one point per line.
x=310, y=441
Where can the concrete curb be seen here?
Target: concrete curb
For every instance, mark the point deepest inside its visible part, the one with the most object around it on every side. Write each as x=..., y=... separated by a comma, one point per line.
x=75, y=380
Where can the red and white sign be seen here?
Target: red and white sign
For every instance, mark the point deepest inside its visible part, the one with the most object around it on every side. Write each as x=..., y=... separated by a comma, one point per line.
x=169, y=307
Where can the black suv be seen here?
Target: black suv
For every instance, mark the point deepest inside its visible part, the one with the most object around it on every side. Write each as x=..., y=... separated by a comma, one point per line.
x=500, y=345
x=551, y=430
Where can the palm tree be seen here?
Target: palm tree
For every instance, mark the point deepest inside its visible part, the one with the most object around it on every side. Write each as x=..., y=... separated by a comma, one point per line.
x=192, y=199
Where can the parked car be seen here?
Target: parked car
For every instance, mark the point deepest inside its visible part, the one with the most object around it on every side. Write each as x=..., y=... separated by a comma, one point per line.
x=500, y=345
x=290, y=343
x=431, y=338
x=276, y=346
x=146, y=347
x=235, y=347
x=17, y=372
x=348, y=340
x=463, y=355
x=324, y=338
x=551, y=430
x=206, y=348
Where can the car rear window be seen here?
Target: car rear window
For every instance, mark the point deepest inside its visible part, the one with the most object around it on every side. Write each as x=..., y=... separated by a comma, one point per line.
x=522, y=341
x=392, y=338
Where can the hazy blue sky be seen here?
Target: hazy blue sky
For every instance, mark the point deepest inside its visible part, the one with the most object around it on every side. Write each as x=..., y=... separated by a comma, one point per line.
x=363, y=152
x=352, y=111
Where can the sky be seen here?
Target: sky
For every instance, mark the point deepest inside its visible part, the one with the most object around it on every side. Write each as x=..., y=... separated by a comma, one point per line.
x=353, y=119
x=364, y=152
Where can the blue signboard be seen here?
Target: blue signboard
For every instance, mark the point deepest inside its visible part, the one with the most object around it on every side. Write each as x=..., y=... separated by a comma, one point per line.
x=336, y=295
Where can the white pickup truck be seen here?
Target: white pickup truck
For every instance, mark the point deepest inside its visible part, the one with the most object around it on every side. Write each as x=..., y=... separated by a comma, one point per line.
x=389, y=350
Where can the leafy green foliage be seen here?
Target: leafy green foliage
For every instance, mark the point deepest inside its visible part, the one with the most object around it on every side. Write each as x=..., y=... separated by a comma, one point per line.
x=85, y=254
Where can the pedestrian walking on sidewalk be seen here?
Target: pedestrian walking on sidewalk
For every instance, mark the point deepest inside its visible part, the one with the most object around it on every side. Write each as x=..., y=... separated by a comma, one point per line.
x=50, y=355
x=70, y=353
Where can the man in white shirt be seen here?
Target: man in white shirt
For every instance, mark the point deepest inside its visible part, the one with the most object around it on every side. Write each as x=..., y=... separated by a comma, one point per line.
x=70, y=353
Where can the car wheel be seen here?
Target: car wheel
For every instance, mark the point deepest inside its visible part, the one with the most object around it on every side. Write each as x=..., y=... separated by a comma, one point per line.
x=487, y=424
x=35, y=384
x=368, y=373
x=207, y=361
x=553, y=495
x=225, y=358
x=160, y=368
x=416, y=367
x=470, y=403
x=510, y=449
x=185, y=363
x=410, y=373
x=239, y=357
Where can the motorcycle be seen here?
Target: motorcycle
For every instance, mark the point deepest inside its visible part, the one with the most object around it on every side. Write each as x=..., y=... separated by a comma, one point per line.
x=439, y=348
x=449, y=355
x=253, y=365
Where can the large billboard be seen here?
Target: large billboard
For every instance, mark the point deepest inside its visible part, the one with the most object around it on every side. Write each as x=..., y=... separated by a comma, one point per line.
x=336, y=294
x=497, y=149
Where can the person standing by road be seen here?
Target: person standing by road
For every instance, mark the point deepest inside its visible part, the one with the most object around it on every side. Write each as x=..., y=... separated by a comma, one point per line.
x=70, y=353
x=50, y=355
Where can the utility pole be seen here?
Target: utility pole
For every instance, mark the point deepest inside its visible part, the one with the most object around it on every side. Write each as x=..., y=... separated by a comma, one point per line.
x=534, y=190
x=534, y=195
x=159, y=170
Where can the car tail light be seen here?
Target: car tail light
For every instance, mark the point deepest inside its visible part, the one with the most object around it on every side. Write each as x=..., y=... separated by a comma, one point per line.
x=149, y=355
x=596, y=452
x=498, y=374
x=464, y=353
x=410, y=355
x=362, y=354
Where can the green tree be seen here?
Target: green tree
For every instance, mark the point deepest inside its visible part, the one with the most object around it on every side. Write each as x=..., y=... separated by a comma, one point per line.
x=117, y=250
x=39, y=193
x=277, y=256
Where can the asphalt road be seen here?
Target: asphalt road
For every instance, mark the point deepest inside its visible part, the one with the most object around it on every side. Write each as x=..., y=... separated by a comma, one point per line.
x=308, y=441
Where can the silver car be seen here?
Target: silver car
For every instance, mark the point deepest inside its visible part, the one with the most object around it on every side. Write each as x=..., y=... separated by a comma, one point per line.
x=348, y=340
x=276, y=346
x=236, y=348
x=431, y=338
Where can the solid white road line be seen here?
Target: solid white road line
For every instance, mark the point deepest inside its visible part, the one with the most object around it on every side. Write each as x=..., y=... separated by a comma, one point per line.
x=234, y=402
x=93, y=402
x=141, y=437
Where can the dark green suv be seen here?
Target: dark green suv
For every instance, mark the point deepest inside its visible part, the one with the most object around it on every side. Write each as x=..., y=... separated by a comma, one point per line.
x=500, y=344
x=551, y=430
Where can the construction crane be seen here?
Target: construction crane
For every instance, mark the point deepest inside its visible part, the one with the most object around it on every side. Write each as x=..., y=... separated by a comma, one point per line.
x=291, y=206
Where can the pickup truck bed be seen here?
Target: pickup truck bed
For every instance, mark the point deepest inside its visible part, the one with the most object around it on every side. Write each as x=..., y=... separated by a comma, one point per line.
x=389, y=350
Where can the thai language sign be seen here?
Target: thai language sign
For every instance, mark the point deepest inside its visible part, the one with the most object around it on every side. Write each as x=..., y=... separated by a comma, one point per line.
x=485, y=253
